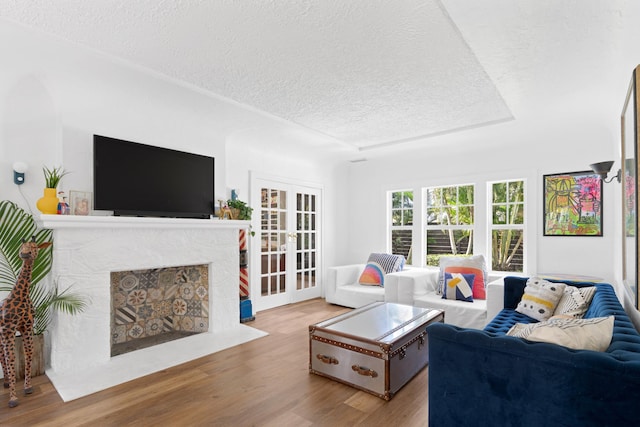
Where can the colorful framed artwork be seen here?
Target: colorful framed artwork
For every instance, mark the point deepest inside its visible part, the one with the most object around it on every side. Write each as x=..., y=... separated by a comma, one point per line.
x=573, y=204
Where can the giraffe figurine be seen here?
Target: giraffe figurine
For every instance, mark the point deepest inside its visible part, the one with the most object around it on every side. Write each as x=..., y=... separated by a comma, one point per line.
x=16, y=315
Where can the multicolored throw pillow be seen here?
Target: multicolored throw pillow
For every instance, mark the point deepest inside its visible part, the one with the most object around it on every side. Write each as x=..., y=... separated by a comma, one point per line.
x=540, y=298
x=458, y=286
x=465, y=265
x=377, y=266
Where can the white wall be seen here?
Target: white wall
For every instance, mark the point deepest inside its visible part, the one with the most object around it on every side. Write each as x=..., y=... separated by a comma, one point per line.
x=55, y=95
x=525, y=148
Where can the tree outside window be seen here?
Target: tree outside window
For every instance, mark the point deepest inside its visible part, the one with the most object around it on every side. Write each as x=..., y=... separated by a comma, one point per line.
x=402, y=223
x=450, y=221
x=507, y=226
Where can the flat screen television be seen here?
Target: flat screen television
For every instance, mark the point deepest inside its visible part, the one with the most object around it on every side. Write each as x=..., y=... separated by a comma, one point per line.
x=133, y=179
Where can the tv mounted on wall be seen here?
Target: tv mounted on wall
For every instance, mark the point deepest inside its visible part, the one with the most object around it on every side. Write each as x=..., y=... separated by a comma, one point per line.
x=135, y=179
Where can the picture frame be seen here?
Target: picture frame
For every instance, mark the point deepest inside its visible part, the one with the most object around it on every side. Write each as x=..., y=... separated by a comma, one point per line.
x=572, y=204
x=630, y=165
x=80, y=202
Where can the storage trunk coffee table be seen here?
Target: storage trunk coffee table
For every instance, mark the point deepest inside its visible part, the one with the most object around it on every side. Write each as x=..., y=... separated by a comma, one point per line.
x=377, y=348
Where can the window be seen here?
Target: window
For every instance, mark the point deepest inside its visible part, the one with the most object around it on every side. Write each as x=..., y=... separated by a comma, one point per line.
x=450, y=224
x=507, y=226
x=402, y=223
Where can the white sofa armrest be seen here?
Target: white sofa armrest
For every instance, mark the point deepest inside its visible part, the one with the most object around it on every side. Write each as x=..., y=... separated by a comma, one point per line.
x=404, y=286
x=341, y=276
x=495, y=298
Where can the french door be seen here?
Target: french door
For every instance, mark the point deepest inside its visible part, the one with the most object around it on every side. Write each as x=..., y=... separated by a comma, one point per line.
x=285, y=250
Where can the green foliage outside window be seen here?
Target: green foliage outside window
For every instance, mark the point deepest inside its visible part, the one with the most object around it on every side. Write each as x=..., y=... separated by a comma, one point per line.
x=508, y=211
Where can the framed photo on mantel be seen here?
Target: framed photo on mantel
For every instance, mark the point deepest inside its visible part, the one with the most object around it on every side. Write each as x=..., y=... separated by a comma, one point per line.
x=80, y=202
x=572, y=204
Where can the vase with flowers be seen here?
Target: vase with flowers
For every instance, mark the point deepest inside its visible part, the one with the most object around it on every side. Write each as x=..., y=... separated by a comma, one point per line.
x=48, y=204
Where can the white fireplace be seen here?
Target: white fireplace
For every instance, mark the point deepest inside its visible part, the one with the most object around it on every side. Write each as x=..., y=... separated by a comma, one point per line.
x=88, y=249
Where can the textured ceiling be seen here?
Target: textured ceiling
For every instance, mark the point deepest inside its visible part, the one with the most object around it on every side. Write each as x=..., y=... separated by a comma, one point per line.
x=368, y=73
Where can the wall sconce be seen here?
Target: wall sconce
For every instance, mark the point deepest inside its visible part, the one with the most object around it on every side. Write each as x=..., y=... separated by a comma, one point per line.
x=603, y=169
x=19, y=168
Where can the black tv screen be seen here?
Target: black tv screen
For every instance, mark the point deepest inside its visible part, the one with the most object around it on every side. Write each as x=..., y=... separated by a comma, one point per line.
x=143, y=180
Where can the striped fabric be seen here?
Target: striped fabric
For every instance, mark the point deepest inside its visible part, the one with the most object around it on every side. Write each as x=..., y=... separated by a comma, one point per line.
x=389, y=263
x=377, y=266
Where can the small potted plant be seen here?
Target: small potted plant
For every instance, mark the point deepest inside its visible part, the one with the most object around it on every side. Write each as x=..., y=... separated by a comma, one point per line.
x=48, y=204
x=239, y=209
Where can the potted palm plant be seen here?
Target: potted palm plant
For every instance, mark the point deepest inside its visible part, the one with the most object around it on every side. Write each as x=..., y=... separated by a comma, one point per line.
x=16, y=225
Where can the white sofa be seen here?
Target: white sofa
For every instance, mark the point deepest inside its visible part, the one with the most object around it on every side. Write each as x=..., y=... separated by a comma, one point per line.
x=412, y=286
x=342, y=287
x=418, y=287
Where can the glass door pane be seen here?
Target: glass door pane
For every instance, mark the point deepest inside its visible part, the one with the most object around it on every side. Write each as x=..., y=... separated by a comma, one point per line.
x=273, y=241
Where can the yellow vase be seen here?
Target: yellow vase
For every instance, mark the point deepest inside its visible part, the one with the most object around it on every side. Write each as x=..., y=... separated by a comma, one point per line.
x=49, y=203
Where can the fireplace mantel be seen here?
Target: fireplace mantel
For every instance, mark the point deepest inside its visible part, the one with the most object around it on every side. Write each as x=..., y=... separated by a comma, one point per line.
x=87, y=249
x=77, y=221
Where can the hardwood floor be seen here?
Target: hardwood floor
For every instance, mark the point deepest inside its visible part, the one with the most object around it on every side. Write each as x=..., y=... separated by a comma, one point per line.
x=265, y=382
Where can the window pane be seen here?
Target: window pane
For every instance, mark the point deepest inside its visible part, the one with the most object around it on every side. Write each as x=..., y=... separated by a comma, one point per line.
x=500, y=192
x=516, y=213
x=407, y=199
x=516, y=191
x=401, y=243
x=448, y=242
x=396, y=217
x=500, y=214
x=465, y=215
x=407, y=218
x=507, y=250
x=396, y=200
x=449, y=195
x=465, y=195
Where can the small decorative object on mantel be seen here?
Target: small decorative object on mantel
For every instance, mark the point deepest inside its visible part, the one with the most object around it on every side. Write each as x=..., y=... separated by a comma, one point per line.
x=48, y=204
x=225, y=211
x=80, y=202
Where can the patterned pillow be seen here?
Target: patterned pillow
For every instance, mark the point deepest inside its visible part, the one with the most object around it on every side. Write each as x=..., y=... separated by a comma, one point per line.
x=377, y=266
x=540, y=298
x=575, y=301
x=579, y=334
x=458, y=286
x=466, y=265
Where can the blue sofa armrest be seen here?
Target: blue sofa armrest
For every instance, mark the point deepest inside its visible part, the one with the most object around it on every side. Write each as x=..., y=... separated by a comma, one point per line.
x=479, y=379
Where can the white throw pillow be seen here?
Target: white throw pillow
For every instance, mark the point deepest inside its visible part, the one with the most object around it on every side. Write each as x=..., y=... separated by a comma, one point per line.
x=540, y=298
x=579, y=334
x=575, y=301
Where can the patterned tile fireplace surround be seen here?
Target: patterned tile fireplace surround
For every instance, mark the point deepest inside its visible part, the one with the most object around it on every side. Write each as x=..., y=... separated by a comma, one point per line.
x=196, y=259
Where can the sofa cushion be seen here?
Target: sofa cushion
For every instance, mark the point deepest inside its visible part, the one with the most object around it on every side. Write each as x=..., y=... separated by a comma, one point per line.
x=540, y=298
x=458, y=286
x=578, y=334
x=575, y=301
x=373, y=274
x=465, y=265
x=377, y=266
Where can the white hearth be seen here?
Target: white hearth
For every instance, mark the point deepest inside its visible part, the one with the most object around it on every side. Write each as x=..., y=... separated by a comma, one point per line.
x=87, y=249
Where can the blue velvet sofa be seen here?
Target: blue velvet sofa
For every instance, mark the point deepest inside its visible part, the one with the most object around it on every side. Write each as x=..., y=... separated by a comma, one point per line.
x=486, y=378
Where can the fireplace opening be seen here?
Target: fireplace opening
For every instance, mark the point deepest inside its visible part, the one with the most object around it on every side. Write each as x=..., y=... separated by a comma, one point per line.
x=154, y=306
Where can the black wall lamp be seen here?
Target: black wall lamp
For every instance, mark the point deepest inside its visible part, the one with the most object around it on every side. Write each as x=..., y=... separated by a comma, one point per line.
x=603, y=169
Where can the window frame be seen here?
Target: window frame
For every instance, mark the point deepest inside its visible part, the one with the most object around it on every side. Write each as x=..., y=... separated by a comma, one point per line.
x=425, y=227
x=522, y=227
x=391, y=227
